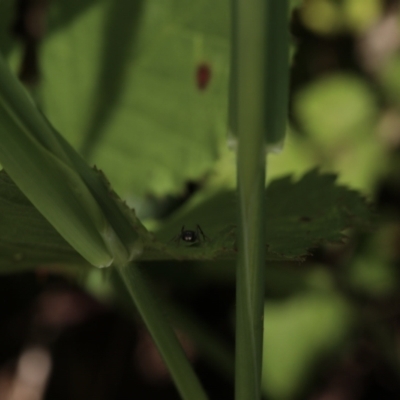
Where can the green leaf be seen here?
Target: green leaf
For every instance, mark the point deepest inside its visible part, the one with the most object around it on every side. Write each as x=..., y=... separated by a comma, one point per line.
x=310, y=212
x=27, y=239
x=129, y=97
x=36, y=160
x=336, y=110
x=339, y=113
x=73, y=197
x=302, y=216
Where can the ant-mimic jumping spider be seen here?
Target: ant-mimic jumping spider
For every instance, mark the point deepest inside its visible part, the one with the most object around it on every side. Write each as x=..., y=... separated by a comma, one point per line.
x=190, y=236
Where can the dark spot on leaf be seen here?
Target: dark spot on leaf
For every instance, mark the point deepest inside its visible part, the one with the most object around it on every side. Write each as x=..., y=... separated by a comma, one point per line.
x=305, y=219
x=203, y=76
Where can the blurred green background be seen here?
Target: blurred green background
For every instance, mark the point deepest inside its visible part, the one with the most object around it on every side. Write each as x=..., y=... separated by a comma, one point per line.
x=140, y=89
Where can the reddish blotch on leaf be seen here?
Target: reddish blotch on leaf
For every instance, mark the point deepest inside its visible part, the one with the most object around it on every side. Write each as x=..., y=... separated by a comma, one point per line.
x=203, y=76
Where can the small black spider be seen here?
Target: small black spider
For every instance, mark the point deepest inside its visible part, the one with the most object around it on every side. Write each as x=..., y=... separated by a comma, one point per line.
x=189, y=236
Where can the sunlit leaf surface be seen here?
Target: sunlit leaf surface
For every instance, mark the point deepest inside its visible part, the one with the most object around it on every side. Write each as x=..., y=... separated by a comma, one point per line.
x=140, y=88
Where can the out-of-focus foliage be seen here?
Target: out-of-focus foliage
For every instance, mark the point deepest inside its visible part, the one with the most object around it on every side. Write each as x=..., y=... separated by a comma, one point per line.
x=298, y=333
x=10, y=47
x=345, y=118
x=7, y=17
x=340, y=115
x=332, y=17
x=390, y=78
x=331, y=323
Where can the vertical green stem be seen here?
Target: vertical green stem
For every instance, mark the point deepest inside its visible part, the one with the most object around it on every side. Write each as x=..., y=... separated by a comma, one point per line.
x=258, y=117
x=250, y=271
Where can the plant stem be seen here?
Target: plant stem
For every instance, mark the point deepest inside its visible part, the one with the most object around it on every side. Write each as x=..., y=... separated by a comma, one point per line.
x=250, y=278
x=164, y=337
x=258, y=117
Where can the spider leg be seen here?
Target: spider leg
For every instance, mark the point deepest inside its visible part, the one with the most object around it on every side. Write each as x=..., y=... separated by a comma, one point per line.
x=177, y=238
x=200, y=233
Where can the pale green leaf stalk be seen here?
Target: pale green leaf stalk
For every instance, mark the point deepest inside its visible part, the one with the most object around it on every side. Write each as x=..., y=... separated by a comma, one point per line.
x=164, y=337
x=260, y=52
x=58, y=182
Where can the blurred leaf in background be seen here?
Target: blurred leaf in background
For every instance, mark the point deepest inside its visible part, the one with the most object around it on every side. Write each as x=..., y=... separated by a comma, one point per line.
x=300, y=332
x=339, y=113
x=8, y=10
x=143, y=90
x=329, y=17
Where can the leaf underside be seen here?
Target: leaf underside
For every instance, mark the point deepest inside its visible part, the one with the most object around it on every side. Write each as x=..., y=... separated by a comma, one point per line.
x=129, y=69
x=27, y=239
